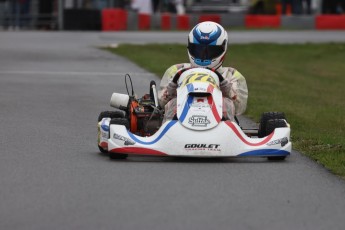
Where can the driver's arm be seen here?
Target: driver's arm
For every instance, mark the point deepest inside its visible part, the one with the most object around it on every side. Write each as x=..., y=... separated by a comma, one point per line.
x=167, y=89
x=235, y=87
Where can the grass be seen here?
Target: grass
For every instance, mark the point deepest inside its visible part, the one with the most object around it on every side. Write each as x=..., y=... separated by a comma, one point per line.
x=307, y=82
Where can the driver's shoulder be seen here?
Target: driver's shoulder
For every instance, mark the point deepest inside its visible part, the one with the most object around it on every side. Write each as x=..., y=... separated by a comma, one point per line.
x=172, y=70
x=180, y=66
x=226, y=70
x=230, y=72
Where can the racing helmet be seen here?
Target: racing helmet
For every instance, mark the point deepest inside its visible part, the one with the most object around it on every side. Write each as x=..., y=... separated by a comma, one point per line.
x=207, y=45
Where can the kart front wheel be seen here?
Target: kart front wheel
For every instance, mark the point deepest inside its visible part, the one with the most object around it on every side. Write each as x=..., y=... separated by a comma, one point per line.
x=276, y=158
x=118, y=121
x=102, y=150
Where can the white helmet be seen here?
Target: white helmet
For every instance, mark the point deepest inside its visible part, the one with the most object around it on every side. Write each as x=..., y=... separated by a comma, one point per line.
x=207, y=45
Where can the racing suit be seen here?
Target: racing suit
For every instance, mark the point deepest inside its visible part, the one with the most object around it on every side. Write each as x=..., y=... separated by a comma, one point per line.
x=234, y=89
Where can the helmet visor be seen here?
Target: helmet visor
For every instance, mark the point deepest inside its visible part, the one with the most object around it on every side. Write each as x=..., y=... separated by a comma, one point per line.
x=205, y=52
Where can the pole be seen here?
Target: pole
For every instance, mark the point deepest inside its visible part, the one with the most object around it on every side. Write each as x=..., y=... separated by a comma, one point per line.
x=60, y=14
x=112, y=3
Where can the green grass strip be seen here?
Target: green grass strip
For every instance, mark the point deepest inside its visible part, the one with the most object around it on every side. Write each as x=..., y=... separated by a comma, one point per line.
x=306, y=81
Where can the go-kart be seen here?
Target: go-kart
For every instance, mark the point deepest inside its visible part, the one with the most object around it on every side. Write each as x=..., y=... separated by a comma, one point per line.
x=198, y=129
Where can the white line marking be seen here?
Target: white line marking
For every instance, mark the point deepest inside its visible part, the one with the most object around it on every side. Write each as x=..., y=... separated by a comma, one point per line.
x=74, y=73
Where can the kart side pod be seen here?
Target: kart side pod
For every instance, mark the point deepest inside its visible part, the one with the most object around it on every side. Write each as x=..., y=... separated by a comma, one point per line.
x=119, y=100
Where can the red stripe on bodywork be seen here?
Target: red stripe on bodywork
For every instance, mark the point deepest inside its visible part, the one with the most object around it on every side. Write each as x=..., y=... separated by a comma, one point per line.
x=210, y=89
x=138, y=151
x=233, y=127
x=211, y=103
x=214, y=109
x=103, y=144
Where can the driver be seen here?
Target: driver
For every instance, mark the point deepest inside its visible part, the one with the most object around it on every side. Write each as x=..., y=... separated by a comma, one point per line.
x=207, y=47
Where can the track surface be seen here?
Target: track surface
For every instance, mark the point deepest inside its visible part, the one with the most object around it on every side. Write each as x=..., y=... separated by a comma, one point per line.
x=52, y=87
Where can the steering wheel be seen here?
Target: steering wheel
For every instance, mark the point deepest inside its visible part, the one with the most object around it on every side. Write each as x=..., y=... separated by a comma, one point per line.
x=219, y=75
x=179, y=73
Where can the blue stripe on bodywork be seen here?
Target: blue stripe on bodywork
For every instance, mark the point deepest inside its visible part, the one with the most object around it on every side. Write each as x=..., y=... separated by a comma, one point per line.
x=167, y=127
x=104, y=126
x=190, y=88
x=265, y=152
x=186, y=108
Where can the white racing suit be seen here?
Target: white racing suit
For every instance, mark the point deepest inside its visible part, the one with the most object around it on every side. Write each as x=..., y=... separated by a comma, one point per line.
x=234, y=89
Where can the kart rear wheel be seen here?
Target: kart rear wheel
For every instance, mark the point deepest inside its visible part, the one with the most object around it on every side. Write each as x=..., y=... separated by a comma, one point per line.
x=116, y=113
x=273, y=124
x=270, y=127
x=265, y=117
x=118, y=121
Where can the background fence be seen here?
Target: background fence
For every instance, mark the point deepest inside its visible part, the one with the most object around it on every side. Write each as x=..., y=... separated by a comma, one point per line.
x=113, y=15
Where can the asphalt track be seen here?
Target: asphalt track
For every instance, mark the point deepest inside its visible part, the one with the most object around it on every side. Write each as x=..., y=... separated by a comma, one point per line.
x=52, y=87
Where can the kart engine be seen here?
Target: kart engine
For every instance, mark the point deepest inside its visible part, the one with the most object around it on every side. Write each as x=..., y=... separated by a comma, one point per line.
x=143, y=115
x=146, y=117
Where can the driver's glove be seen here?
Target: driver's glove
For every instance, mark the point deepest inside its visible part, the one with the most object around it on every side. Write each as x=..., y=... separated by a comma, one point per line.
x=171, y=89
x=225, y=87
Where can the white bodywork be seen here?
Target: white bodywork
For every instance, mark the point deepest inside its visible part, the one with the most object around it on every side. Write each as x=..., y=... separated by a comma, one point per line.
x=225, y=140
x=198, y=131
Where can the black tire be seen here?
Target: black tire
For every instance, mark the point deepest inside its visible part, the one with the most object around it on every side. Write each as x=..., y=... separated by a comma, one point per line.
x=270, y=127
x=116, y=113
x=273, y=124
x=276, y=158
x=265, y=117
x=118, y=121
x=102, y=150
x=117, y=156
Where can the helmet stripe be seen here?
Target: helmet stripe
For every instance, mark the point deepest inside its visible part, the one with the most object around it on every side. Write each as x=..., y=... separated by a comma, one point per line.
x=206, y=38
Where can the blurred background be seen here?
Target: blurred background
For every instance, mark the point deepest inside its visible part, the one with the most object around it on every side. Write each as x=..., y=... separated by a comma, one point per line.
x=89, y=14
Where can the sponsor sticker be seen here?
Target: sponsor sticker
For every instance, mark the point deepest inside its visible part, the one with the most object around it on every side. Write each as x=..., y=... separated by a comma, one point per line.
x=282, y=141
x=200, y=105
x=197, y=120
x=126, y=140
x=205, y=37
x=105, y=135
x=198, y=147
